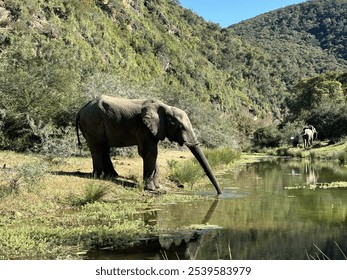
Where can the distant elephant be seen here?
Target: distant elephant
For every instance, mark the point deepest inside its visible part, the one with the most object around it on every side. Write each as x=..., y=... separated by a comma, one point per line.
x=309, y=133
x=109, y=121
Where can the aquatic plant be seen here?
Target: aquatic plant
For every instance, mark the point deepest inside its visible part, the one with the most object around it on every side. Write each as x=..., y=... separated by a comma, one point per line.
x=322, y=256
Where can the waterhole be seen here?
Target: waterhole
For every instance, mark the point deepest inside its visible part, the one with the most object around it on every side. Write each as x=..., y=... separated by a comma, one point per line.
x=273, y=209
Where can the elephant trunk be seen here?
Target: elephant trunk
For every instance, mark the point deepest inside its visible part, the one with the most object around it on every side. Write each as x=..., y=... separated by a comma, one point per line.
x=199, y=155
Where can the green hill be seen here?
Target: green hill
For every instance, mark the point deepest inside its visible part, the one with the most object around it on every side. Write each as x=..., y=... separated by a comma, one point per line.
x=56, y=54
x=304, y=39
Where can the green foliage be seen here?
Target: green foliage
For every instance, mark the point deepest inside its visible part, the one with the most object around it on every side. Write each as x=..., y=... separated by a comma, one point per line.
x=267, y=136
x=54, y=141
x=302, y=40
x=190, y=171
x=221, y=156
x=291, y=132
x=57, y=54
x=321, y=101
x=92, y=193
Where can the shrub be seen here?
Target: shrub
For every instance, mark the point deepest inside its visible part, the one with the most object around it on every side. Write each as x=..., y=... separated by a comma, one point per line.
x=330, y=121
x=290, y=131
x=54, y=141
x=268, y=136
x=27, y=175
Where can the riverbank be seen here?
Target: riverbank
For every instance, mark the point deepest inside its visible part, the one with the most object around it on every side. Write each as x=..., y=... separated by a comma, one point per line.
x=50, y=208
x=321, y=151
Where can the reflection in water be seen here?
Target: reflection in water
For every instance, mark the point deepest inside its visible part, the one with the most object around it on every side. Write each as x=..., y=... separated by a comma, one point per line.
x=259, y=218
x=311, y=177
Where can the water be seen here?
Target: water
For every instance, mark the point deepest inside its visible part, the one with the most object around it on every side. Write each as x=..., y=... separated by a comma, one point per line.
x=262, y=214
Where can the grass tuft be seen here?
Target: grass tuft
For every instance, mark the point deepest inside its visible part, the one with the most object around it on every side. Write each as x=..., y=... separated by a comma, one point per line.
x=190, y=171
x=221, y=156
x=92, y=193
x=187, y=172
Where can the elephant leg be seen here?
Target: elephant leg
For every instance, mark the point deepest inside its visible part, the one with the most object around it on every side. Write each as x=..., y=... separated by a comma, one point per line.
x=108, y=168
x=149, y=154
x=102, y=165
x=97, y=164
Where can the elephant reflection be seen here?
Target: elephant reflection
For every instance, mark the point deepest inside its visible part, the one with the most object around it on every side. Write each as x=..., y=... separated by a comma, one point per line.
x=310, y=173
x=187, y=245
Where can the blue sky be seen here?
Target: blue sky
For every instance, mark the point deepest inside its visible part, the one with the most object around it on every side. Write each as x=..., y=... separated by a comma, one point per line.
x=227, y=12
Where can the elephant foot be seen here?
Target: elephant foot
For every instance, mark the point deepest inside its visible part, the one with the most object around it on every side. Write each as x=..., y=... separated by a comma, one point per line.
x=105, y=175
x=151, y=185
x=111, y=174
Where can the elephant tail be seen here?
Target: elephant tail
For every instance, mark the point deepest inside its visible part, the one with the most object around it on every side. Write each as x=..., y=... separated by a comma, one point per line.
x=77, y=131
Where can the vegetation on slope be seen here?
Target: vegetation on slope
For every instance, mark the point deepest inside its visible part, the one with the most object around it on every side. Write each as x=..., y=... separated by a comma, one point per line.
x=56, y=54
x=303, y=40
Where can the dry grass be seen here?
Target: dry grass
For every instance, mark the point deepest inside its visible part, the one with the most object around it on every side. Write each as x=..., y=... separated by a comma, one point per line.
x=51, y=208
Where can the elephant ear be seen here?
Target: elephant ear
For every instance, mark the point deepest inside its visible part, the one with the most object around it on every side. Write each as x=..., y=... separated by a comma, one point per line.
x=153, y=116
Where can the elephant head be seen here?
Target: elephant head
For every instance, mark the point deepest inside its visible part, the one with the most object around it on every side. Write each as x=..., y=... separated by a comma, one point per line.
x=173, y=123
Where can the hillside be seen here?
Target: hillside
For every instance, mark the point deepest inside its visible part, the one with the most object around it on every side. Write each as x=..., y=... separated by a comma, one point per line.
x=303, y=39
x=56, y=54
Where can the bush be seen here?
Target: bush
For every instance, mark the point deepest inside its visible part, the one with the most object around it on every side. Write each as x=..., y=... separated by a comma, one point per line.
x=54, y=141
x=330, y=121
x=267, y=136
x=343, y=157
x=26, y=176
x=290, y=131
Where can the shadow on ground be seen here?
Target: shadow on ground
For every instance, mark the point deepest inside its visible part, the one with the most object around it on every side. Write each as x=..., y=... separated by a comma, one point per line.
x=123, y=181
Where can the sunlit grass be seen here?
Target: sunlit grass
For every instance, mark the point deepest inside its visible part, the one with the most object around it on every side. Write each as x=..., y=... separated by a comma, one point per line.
x=221, y=156
x=92, y=193
x=187, y=172
x=48, y=214
x=323, y=152
x=190, y=172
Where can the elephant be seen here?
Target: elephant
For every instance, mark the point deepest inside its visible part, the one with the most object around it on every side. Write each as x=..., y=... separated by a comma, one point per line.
x=309, y=133
x=109, y=121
